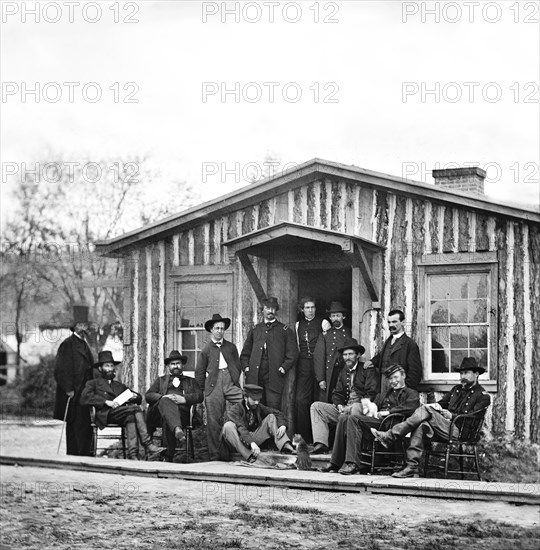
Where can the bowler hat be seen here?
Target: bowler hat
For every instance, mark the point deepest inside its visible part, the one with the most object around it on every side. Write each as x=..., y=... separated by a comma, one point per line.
x=392, y=369
x=253, y=390
x=175, y=355
x=209, y=325
x=469, y=363
x=336, y=307
x=105, y=357
x=271, y=301
x=351, y=343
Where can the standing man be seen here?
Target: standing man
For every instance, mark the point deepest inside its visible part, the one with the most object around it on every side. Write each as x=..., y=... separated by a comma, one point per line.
x=269, y=352
x=308, y=330
x=218, y=375
x=398, y=348
x=326, y=358
x=73, y=369
x=170, y=398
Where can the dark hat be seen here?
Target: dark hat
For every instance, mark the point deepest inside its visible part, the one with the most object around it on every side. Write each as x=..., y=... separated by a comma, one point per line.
x=105, y=357
x=351, y=343
x=175, y=355
x=80, y=315
x=209, y=325
x=271, y=301
x=469, y=363
x=392, y=369
x=336, y=307
x=253, y=390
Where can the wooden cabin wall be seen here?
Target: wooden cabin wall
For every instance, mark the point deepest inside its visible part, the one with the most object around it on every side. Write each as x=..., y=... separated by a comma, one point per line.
x=407, y=227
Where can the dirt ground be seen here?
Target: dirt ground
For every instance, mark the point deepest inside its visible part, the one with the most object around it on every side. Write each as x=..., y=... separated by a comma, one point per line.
x=62, y=509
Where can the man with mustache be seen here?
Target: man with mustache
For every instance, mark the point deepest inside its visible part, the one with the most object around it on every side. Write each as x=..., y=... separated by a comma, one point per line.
x=435, y=418
x=326, y=357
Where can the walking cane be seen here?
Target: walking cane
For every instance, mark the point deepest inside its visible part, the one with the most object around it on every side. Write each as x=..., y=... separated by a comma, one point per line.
x=63, y=425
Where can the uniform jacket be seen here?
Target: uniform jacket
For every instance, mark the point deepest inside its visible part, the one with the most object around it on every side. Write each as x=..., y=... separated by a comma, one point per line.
x=238, y=415
x=403, y=401
x=476, y=398
x=282, y=352
x=192, y=393
x=207, y=369
x=406, y=354
x=72, y=369
x=365, y=385
x=327, y=354
x=97, y=391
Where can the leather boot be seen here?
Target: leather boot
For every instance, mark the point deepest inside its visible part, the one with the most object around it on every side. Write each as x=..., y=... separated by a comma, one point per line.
x=132, y=441
x=146, y=440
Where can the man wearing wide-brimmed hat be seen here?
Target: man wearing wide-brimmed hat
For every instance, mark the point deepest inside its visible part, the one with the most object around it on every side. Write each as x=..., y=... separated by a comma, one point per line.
x=326, y=358
x=218, y=375
x=269, y=352
x=102, y=393
x=170, y=398
x=435, y=418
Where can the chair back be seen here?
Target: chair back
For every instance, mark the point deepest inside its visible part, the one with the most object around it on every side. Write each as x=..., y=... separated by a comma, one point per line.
x=470, y=426
x=388, y=422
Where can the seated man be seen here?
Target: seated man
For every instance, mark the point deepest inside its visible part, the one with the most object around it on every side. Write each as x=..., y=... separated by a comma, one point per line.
x=250, y=424
x=435, y=418
x=170, y=398
x=354, y=383
x=101, y=393
x=352, y=428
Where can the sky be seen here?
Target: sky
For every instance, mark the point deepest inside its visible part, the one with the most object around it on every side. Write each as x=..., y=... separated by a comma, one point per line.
x=209, y=90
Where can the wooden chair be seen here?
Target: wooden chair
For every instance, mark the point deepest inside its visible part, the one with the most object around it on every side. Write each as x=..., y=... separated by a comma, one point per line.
x=463, y=447
x=113, y=432
x=188, y=430
x=378, y=457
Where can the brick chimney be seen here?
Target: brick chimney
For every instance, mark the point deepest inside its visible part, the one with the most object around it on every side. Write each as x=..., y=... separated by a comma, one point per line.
x=467, y=180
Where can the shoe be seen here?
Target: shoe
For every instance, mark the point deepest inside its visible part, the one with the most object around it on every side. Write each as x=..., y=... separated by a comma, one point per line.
x=154, y=449
x=251, y=458
x=287, y=449
x=382, y=437
x=179, y=434
x=330, y=469
x=349, y=468
x=320, y=449
x=408, y=471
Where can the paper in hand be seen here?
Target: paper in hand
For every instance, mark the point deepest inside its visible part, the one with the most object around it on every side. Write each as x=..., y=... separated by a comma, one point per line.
x=124, y=397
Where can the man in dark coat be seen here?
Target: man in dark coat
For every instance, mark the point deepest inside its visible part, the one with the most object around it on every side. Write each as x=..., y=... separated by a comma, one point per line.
x=326, y=357
x=269, y=352
x=218, y=374
x=398, y=349
x=170, y=398
x=73, y=368
x=102, y=393
x=351, y=429
x=250, y=424
x=435, y=418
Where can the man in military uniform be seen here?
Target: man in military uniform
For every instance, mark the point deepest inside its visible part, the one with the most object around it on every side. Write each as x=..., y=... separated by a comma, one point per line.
x=435, y=418
x=269, y=352
x=326, y=357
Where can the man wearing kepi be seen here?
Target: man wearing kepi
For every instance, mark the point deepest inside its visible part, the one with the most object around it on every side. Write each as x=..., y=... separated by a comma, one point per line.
x=103, y=394
x=435, y=418
x=269, y=352
x=218, y=374
x=250, y=424
x=170, y=398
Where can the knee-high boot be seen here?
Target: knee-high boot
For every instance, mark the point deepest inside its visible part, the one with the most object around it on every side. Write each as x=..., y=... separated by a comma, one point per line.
x=132, y=441
x=146, y=440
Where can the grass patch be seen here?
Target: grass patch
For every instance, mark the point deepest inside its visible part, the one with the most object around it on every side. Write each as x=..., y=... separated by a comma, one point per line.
x=288, y=508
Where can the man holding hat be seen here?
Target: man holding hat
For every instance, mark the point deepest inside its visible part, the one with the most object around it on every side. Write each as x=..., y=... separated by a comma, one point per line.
x=250, y=424
x=218, y=375
x=435, y=418
x=269, y=352
x=170, y=398
x=354, y=383
x=326, y=357
x=102, y=393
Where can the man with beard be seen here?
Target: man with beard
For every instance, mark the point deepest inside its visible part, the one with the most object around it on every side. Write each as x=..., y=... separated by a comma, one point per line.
x=170, y=398
x=354, y=383
x=435, y=418
x=398, y=349
x=326, y=357
x=269, y=352
x=73, y=368
x=102, y=393
x=250, y=424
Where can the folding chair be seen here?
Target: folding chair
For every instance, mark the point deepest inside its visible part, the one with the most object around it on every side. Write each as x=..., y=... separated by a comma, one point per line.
x=112, y=432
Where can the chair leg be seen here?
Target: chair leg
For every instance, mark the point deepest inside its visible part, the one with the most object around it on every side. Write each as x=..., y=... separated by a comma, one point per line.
x=446, y=461
x=188, y=443
x=95, y=442
x=476, y=463
x=124, y=447
x=461, y=462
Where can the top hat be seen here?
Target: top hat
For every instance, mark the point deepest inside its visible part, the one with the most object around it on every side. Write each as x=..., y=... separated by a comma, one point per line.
x=392, y=369
x=352, y=343
x=336, y=307
x=175, y=355
x=469, y=363
x=80, y=315
x=105, y=357
x=252, y=390
x=271, y=301
x=209, y=325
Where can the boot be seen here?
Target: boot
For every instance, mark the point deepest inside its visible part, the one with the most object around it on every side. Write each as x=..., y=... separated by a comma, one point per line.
x=132, y=441
x=146, y=440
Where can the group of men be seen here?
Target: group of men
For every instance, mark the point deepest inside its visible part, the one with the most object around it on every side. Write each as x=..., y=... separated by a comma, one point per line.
x=334, y=388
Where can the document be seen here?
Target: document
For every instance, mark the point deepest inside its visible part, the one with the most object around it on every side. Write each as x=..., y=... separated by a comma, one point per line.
x=124, y=397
